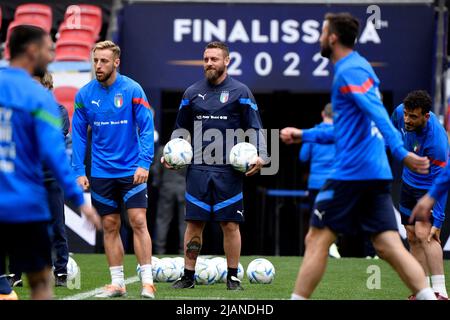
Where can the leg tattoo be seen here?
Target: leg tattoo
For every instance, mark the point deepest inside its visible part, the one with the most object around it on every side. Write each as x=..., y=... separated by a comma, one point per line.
x=193, y=248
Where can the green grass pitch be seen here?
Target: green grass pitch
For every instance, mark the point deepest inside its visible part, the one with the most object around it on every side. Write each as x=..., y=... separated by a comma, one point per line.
x=345, y=279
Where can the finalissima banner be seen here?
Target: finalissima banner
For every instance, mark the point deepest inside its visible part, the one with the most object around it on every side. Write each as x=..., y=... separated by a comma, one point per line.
x=273, y=46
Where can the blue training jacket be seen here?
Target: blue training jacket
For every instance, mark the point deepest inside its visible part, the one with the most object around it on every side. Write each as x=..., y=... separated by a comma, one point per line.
x=430, y=142
x=321, y=157
x=441, y=185
x=30, y=134
x=359, y=116
x=122, y=128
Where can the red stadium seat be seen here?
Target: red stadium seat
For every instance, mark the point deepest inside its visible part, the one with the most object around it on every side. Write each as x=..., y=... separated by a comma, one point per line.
x=30, y=11
x=83, y=16
x=24, y=20
x=72, y=51
x=66, y=96
x=82, y=34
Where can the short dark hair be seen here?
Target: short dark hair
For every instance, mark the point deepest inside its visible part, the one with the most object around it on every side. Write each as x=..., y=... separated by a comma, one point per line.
x=22, y=36
x=345, y=26
x=218, y=45
x=419, y=99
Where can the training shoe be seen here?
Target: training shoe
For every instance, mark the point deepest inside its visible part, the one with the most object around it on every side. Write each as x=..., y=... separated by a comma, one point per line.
x=14, y=280
x=440, y=297
x=112, y=291
x=183, y=283
x=11, y=296
x=234, y=284
x=148, y=291
x=60, y=280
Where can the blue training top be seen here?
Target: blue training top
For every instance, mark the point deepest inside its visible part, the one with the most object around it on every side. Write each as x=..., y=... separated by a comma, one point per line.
x=359, y=116
x=30, y=134
x=122, y=128
x=321, y=157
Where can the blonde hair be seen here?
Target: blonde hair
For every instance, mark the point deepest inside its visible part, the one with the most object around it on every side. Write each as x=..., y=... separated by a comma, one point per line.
x=108, y=45
x=47, y=80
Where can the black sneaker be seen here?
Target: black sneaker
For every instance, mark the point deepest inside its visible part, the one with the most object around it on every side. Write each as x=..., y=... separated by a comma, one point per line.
x=15, y=280
x=234, y=284
x=183, y=283
x=60, y=280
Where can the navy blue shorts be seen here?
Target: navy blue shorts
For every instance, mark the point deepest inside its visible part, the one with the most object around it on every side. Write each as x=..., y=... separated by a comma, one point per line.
x=408, y=200
x=349, y=207
x=214, y=196
x=110, y=194
x=28, y=246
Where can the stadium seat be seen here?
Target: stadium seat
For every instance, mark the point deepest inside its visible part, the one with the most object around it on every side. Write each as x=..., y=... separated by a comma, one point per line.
x=24, y=20
x=66, y=96
x=88, y=16
x=30, y=11
x=82, y=34
x=72, y=51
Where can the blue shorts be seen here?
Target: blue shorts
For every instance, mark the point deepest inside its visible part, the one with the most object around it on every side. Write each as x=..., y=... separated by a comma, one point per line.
x=214, y=195
x=408, y=200
x=28, y=246
x=349, y=207
x=109, y=194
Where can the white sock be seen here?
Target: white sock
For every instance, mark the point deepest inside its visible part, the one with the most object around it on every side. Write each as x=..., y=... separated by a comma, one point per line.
x=297, y=297
x=428, y=281
x=425, y=294
x=146, y=274
x=438, y=282
x=117, y=276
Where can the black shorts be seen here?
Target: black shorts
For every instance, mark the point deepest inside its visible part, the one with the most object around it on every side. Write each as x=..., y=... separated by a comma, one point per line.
x=28, y=246
x=214, y=196
x=408, y=200
x=108, y=194
x=348, y=207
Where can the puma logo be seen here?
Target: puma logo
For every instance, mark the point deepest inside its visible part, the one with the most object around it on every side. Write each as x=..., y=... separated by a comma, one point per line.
x=202, y=96
x=96, y=102
x=240, y=212
x=319, y=214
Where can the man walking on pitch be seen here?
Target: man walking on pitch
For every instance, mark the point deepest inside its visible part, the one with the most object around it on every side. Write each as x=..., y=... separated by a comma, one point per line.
x=357, y=194
x=119, y=114
x=30, y=133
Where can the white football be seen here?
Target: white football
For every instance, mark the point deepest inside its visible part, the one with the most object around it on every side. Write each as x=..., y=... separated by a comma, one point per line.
x=222, y=270
x=260, y=271
x=72, y=269
x=205, y=272
x=178, y=153
x=167, y=271
x=242, y=155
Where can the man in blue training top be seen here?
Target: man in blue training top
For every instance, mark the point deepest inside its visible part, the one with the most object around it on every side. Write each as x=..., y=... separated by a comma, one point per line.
x=357, y=194
x=217, y=104
x=30, y=134
x=56, y=206
x=425, y=136
x=321, y=157
x=117, y=110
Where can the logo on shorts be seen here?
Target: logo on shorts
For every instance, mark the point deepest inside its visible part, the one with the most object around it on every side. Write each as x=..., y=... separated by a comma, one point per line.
x=240, y=212
x=118, y=100
x=319, y=214
x=224, y=96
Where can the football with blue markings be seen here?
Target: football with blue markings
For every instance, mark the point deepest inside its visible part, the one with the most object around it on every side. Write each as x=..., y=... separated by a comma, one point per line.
x=260, y=271
x=178, y=153
x=242, y=155
x=205, y=272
